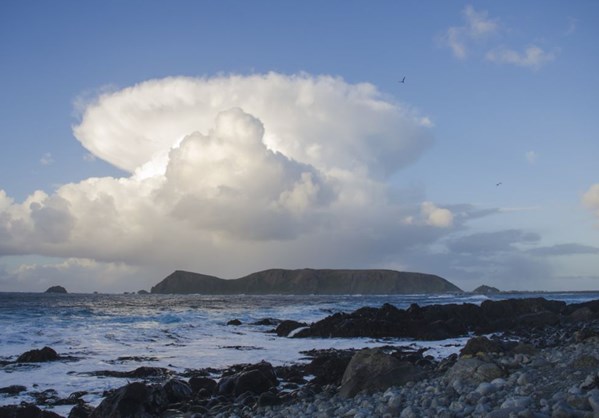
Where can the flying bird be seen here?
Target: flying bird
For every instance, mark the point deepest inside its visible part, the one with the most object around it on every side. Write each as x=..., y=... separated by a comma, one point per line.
x=403, y=80
x=499, y=184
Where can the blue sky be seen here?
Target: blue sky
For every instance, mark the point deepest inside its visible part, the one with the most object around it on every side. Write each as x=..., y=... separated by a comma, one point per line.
x=495, y=92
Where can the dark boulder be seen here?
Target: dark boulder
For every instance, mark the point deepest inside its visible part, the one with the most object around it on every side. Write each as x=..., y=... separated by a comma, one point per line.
x=481, y=345
x=234, y=322
x=142, y=372
x=255, y=378
x=81, y=411
x=202, y=383
x=12, y=389
x=328, y=367
x=177, y=390
x=267, y=321
x=38, y=356
x=285, y=327
x=133, y=400
x=25, y=411
x=373, y=370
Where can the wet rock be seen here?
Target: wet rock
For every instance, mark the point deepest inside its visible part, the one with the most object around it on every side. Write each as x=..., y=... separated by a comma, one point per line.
x=81, y=411
x=202, y=383
x=133, y=400
x=139, y=373
x=268, y=399
x=373, y=370
x=25, y=411
x=267, y=321
x=177, y=390
x=255, y=378
x=473, y=370
x=12, y=389
x=481, y=345
x=38, y=356
x=234, y=322
x=328, y=367
x=285, y=327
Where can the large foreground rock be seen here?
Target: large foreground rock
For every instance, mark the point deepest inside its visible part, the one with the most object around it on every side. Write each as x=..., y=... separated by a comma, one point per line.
x=372, y=370
x=133, y=400
x=256, y=378
x=308, y=281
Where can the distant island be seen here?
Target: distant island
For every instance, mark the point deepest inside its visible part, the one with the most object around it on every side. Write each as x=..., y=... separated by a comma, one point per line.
x=486, y=290
x=307, y=282
x=56, y=289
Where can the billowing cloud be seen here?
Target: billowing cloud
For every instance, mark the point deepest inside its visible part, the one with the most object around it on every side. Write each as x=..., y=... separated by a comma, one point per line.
x=228, y=175
x=532, y=57
x=591, y=199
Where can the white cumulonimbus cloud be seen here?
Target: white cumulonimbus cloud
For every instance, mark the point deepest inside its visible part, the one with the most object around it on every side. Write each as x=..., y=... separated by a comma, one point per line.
x=235, y=173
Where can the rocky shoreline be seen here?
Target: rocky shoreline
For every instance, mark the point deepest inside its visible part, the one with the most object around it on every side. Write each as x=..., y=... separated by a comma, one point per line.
x=546, y=367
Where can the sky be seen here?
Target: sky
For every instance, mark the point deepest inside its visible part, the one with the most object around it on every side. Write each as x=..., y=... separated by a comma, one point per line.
x=142, y=137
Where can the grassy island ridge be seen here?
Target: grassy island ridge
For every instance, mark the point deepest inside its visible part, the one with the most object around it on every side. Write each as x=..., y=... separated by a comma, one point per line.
x=308, y=281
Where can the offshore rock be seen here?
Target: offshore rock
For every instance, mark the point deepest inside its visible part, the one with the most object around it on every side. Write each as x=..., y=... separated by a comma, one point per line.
x=38, y=356
x=486, y=290
x=308, y=281
x=56, y=289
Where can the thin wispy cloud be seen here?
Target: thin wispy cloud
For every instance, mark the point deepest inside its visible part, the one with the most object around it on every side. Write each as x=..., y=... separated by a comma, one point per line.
x=47, y=159
x=531, y=157
x=532, y=57
x=481, y=33
x=572, y=25
x=477, y=26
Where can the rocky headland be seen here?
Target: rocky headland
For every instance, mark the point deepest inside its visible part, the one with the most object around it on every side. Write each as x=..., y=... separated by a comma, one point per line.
x=307, y=282
x=537, y=358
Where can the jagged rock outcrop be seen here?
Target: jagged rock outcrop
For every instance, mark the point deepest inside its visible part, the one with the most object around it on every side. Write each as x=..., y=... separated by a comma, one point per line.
x=308, y=281
x=438, y=322
x=56, y=289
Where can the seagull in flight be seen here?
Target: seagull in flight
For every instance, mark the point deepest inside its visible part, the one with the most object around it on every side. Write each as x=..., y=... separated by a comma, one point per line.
x=403, y=80
x=499, y=184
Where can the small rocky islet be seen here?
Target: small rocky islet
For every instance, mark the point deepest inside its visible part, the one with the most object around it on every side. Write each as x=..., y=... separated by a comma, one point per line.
x=525, y=358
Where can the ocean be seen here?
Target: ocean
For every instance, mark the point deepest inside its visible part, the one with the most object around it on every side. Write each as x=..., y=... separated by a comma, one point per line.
x=179, y=332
